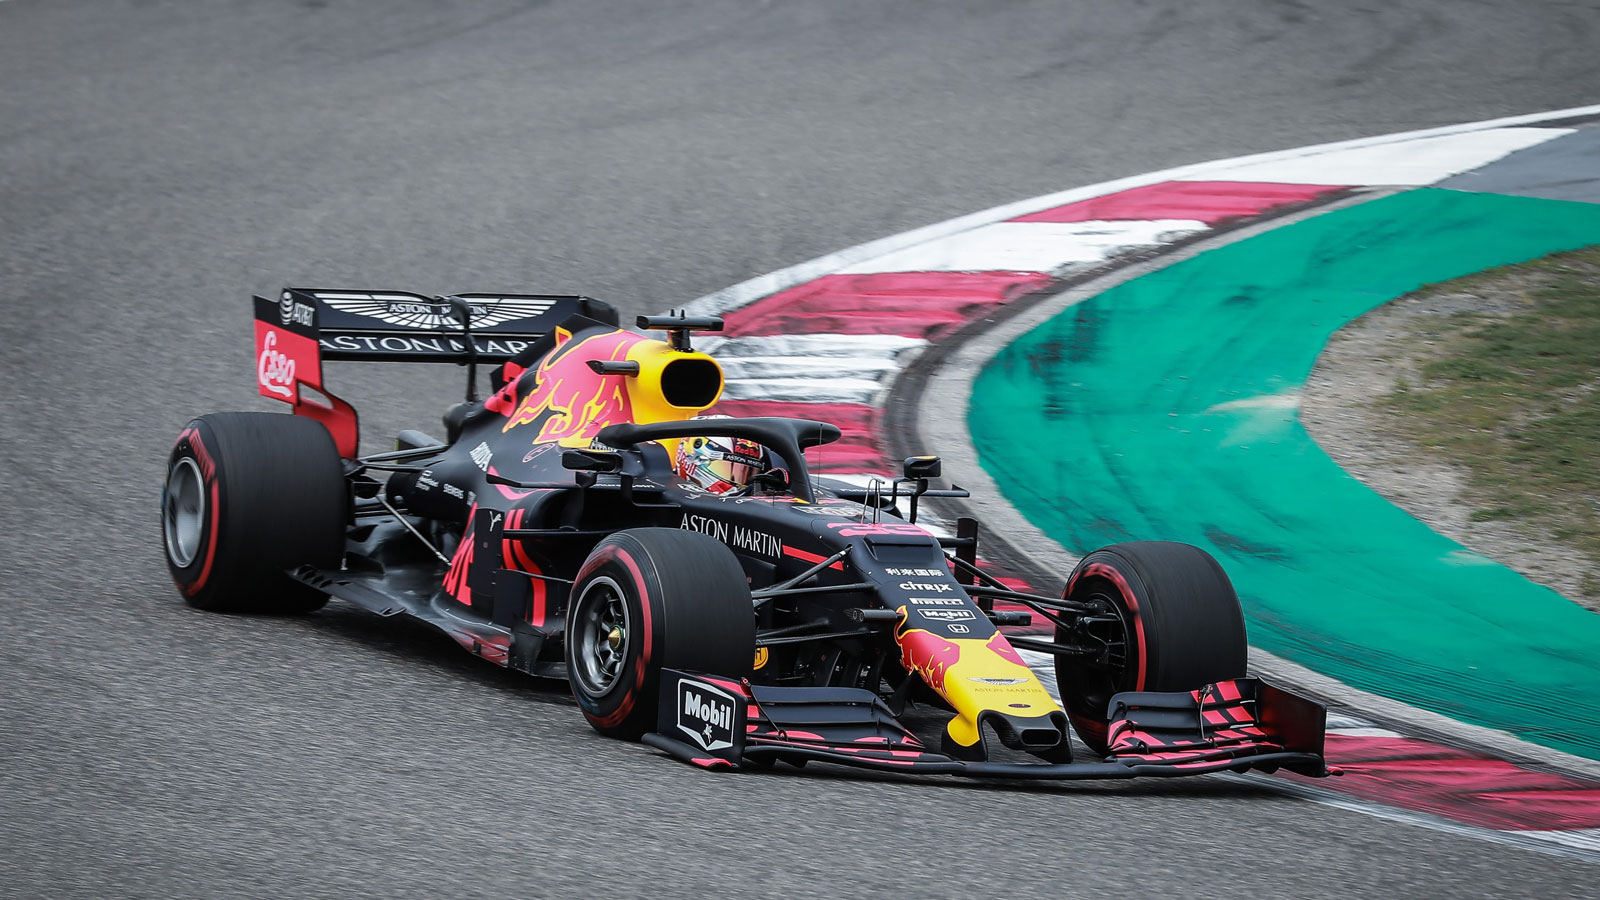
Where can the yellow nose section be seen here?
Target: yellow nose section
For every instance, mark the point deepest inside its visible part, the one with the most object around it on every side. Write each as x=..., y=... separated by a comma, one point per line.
x=974, y=675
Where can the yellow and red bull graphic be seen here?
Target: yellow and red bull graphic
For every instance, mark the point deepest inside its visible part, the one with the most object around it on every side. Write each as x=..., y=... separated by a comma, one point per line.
x=568, y=401
x=568, y=398
x=974, y=675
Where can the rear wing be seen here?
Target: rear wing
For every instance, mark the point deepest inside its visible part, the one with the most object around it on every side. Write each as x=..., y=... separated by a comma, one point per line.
x=305, y=326
x=402, y=326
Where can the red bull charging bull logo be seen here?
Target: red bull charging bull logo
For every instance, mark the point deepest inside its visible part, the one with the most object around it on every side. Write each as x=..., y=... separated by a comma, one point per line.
x=928, y=655
x=569, y=399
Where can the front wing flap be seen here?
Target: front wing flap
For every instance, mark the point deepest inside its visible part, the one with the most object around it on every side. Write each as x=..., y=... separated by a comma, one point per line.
x=1235, y=725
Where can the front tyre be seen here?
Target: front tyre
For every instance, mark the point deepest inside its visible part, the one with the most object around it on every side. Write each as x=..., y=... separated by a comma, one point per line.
x=648, y=599
x=1171, y=622
x=247, y=496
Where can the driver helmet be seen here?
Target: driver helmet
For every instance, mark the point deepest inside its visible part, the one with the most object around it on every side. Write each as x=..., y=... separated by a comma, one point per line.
x=719, y=464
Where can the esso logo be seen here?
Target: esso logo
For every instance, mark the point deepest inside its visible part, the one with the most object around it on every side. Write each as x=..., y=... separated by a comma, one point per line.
x=274, y=370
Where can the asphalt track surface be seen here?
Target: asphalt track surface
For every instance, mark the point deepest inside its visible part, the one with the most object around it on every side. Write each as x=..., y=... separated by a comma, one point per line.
x=159, y=160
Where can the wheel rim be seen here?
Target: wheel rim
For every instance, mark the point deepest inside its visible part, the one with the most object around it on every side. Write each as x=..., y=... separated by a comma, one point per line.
x=1095, y=681
x=602, y=636
x=183, y=512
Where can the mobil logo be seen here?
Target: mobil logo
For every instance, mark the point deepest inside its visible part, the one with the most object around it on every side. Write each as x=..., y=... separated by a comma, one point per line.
x=705, y=714
x=948, y=615
x=929, y=655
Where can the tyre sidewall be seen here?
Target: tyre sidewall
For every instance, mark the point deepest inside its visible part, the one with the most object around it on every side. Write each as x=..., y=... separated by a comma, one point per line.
x=196, y=443
x=619, y=710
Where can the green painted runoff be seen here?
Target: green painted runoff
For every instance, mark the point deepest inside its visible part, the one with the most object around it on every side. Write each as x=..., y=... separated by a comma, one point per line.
x=1166, y=409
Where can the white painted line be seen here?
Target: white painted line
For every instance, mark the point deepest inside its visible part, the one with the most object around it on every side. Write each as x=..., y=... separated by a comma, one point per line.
x=812, y=345
x=1342, y=720
x=816, y=368
x=1050, y=247
x=1366, y=732
x=755, y=367
x=804, y=390
x=1578, y=839
x=1421, y=161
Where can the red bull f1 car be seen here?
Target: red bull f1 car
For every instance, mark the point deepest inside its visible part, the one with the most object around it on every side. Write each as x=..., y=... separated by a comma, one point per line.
x=693, y=581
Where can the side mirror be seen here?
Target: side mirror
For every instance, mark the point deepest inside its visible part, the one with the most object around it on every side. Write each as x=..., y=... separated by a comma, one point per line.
x=591, y=460
x=612, y=367
x=919, y=467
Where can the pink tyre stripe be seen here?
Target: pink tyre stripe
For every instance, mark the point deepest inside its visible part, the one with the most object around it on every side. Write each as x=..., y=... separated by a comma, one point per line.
x=1211, y=202
x=910, y=304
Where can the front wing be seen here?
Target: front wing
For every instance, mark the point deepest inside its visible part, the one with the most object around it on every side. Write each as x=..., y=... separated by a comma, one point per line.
x=1234, y=725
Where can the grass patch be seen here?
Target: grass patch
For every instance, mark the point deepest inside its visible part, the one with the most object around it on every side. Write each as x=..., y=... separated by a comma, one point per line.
x=1512, y=395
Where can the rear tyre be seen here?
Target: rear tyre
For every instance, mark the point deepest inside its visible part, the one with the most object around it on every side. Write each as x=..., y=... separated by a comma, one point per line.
x=648, y=599
x=1173, y=623
x=247, y=496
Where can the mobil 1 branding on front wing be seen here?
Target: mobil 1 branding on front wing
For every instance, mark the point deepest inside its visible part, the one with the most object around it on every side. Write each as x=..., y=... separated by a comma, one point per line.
x=705, y=714
x=948, y=615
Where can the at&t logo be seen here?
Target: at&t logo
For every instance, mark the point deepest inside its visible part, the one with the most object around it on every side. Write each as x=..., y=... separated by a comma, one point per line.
x=292, y=313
